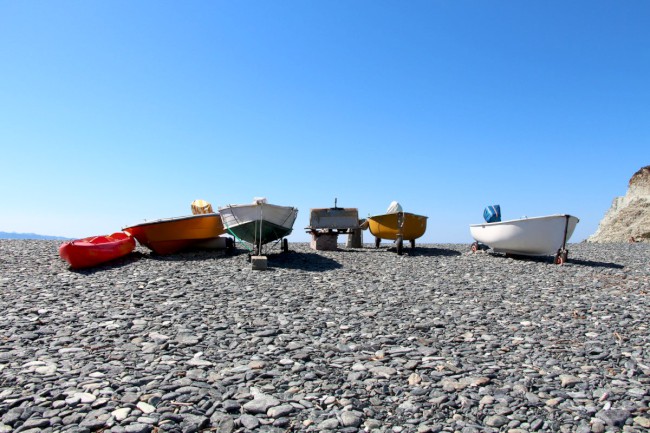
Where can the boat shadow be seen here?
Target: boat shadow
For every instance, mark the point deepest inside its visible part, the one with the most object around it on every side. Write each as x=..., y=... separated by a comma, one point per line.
x=310, y=262
x=594, y=264
x=407, y=251
x=431, y=252
x=192, y=255
x=570, y=261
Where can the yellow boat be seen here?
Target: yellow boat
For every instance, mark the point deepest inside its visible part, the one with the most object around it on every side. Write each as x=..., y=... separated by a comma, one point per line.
x=398, y=226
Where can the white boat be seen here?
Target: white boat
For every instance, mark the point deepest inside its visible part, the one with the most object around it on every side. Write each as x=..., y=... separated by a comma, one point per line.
x=535, y=236
x=259, y=223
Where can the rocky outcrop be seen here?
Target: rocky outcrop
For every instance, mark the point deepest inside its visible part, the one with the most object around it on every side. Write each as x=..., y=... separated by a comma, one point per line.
x=628, y=220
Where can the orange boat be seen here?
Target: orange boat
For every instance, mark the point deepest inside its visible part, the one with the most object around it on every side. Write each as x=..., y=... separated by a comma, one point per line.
x=170, y=235
x=89, y=252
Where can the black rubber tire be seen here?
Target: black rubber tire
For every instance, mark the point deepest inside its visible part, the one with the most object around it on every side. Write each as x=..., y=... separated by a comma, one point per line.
x=412, y=244
x=400, y=245
x=377, y=242
x=285, y=246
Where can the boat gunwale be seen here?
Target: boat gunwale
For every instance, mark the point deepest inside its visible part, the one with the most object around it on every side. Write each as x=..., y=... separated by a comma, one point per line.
x=395, y=213
x=524, y=219
x=229, y=206
x=228, y=211
x=173, y=219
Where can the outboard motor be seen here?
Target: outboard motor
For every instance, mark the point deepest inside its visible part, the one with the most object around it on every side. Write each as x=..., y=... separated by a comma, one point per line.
x=492, y=214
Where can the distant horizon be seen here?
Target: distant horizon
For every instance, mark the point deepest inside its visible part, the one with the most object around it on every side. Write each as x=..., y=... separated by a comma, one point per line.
x=30, y=236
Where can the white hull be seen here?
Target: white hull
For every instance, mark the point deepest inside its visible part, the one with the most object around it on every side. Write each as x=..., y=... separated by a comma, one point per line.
x=536, y=236
x=240, y=214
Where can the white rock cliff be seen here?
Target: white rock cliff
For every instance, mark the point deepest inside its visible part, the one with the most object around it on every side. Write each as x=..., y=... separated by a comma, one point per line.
x=628, y=219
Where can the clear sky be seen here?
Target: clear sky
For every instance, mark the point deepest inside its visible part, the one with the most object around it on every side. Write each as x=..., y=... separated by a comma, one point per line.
x=118, y=111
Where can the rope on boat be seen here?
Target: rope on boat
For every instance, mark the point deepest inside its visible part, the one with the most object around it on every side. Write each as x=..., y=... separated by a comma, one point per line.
x=241, y=241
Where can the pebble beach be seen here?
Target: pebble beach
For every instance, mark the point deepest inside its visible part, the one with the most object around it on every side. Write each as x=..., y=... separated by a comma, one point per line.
x=356, y=340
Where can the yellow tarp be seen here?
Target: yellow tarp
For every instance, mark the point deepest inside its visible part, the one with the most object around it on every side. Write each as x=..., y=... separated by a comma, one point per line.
x=200, y=207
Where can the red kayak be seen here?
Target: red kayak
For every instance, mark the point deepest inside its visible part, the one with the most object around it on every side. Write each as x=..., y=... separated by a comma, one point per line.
x=89, y=252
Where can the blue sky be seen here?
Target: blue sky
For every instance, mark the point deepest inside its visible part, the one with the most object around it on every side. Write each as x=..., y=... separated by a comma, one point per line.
x=115, y=112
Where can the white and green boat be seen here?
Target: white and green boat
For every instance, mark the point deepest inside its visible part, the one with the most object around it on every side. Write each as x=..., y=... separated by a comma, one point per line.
x=259, y=224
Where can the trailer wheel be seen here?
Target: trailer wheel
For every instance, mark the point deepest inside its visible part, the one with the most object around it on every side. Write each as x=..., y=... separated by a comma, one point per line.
x=285, y=245
x=561, y=257
x=400, y=245
x=412, y=244
x=377, y=242
x=474, y=247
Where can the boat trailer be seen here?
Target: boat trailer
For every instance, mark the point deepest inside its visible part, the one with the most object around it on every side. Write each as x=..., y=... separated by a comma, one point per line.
x=326, y=224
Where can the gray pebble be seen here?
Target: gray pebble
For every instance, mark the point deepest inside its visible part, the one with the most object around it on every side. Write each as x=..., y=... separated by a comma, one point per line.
x=613, y=417
x=249, y=421
x=137, y=428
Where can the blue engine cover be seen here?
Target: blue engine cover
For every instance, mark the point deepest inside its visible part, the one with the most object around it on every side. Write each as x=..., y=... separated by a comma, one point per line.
x=492, y=214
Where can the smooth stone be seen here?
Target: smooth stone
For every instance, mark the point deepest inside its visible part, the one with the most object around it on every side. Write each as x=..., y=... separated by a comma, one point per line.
x=121, y=413
x=613, y=417
x=146, y=408
x=328, y=424
x=95, y=419
x=222, y=422
x=249, y=421
x=35, y=423
x=198, y=362
x=138, y=428
x=46, y=370
x=642, y=421
x=11, y=416
x=350, y=419
x=568, y=380
x=385, y=372
x=280, y=411
x=158, y=337
x=261, y=403
x=496, y=421
x=192, y=422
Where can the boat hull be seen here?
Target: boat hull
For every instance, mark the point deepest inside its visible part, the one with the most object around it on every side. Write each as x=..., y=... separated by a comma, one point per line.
x=170, y=235
x=258, y=224
x=92, y=251
x=536, y=236
x=387, y=226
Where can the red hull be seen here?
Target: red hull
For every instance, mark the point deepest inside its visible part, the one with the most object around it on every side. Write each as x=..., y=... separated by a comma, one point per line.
x=89, y=252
